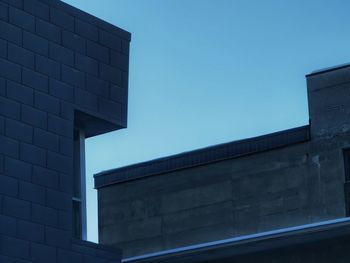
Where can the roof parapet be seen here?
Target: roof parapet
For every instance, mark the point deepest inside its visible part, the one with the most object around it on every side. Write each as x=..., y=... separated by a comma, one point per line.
x=203, y=156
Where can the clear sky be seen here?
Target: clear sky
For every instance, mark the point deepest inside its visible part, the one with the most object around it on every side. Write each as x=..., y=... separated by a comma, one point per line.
x=204, y=72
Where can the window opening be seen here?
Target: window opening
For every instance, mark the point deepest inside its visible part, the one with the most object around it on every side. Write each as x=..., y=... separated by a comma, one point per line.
x=79, y=187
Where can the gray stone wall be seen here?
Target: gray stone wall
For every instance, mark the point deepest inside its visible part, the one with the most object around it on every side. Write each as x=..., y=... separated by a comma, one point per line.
x=289, y=186
x=59, y=68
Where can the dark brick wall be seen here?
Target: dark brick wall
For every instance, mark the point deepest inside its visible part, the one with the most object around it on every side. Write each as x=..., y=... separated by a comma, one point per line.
x=59, y=68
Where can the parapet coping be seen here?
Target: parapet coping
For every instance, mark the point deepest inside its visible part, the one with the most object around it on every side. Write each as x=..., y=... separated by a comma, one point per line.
x=203, y=156
x=241, y=245
x=89, y=18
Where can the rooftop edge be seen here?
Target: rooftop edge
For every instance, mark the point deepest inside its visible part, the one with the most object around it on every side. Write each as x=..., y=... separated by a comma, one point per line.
x=86, y=17
x=202, y=156
x=328, y=69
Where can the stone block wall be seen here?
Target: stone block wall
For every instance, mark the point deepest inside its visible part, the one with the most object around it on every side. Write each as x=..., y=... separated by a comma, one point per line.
x=60, y=68
x=255, y=193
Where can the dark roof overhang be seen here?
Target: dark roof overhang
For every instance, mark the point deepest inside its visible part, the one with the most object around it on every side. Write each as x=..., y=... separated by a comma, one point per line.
x=218, y=251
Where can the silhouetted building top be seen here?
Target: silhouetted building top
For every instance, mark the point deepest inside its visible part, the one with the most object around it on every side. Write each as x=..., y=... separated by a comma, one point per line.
x=278, y=197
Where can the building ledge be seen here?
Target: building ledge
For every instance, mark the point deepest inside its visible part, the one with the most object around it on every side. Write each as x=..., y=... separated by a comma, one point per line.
x=203, y=156
x=95, y=249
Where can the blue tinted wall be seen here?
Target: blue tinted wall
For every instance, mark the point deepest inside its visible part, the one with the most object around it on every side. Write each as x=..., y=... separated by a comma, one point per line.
x=60, y=68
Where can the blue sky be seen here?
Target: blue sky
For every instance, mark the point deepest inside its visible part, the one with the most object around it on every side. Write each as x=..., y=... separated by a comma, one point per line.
x=204, y=72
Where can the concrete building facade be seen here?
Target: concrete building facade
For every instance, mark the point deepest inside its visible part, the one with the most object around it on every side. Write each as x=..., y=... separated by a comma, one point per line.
x=223, y=201
x=63, y=78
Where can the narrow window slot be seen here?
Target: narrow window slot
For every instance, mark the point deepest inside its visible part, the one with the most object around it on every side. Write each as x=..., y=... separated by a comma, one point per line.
x=79, y=192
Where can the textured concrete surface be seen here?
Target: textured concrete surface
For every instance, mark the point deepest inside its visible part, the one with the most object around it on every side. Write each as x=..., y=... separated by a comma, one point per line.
x=287, y=186
x=60, y=68
x=206, y=155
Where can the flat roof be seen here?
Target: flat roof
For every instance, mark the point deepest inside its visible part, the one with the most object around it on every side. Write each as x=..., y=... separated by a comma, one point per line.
x=203, y=156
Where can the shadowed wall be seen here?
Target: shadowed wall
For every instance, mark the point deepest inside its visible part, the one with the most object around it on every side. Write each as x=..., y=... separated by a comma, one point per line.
x=60, y=68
